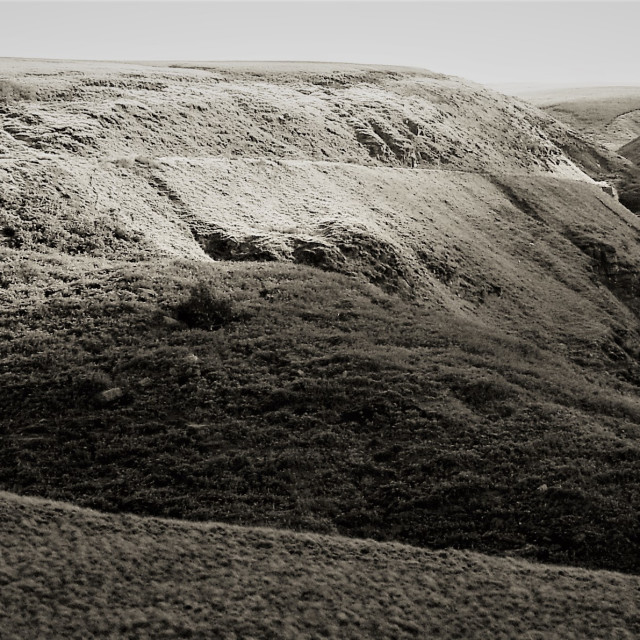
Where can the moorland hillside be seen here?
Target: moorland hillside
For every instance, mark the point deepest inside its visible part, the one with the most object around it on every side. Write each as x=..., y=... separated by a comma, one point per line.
x=631, y=192
x=378, y=302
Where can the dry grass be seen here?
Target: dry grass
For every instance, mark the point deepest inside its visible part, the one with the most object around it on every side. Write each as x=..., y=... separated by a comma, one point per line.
x=103, y=110
x=71, y=573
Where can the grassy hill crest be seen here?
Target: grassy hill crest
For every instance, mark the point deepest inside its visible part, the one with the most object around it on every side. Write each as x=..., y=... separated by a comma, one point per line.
x=170, y=579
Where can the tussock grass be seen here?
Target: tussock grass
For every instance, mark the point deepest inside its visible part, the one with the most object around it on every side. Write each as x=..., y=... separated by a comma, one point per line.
x=68, y=572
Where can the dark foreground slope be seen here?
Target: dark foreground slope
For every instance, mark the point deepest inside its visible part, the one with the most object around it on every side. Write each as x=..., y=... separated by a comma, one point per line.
x=71, y=573
x=323, y=404
x=382, y=303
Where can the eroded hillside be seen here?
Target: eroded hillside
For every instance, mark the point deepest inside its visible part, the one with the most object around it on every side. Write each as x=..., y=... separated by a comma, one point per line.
x=428, y=329
x=630, y=193
x=302, y=164
x=607, y=116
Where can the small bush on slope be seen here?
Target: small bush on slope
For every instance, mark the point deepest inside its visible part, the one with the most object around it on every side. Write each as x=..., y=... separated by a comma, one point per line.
x=203, y=309
x=327, y=406
x=11, y=91
x=77, y=573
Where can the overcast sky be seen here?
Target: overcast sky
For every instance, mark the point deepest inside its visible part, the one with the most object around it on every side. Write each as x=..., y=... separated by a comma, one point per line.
x=497, y=42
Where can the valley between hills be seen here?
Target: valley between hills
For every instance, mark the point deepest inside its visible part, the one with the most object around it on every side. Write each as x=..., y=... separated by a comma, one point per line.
x=307, y=350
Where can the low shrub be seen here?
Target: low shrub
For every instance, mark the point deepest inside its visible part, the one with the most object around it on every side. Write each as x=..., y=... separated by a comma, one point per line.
x=204, y=309
x=124, y=163
x=148, y=162
x=13, y=91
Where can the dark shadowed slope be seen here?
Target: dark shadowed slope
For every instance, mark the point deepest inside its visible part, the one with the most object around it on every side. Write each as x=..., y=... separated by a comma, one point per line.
x=631, y=151
x=319, y=402
x=73, y=573
x=631, y=195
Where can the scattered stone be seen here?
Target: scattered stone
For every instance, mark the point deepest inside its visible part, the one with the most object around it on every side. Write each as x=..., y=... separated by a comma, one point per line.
x=342, y=617
x=110, y=395
x=197, y=425
x=171, y=322
x=608, y=188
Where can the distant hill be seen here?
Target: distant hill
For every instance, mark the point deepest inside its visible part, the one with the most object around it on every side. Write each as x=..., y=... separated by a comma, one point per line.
x=610, y=114
x=353, y=300
x=72, y=573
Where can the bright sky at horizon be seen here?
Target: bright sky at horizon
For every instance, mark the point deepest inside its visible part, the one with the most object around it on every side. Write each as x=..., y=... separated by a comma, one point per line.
x=538, y=43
